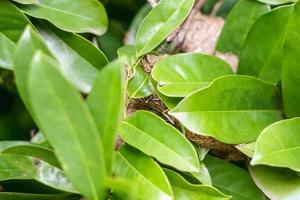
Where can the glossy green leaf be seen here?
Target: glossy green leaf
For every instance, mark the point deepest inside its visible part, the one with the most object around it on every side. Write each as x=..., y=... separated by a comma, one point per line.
x=106, y=102
x=139, y=85
x=70, y=15
x=28, y=44
x=233, y=109
x=203, y=175
x=170, y=102
x=161, y=22
x=122, y=188
x=26, y=196
x=12, y=20
x=277, y=2
x=79, y=59
x=247, y=149
x=153, y=136
x=134, y=165
x=238, y=23
x=19, y=167
x=264, y=61
x=7, y=49
x=290, y=66
x=26, y=1
x=279, y=145
x=65, y=120
x=277, y=183
x=184, y=190
x=29, y=149
x=84, y=48
x=182, y=74
x=232, y=180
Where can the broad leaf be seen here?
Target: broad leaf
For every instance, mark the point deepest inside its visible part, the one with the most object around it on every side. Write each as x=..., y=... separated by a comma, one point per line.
x=238, y=23
x=7, y=49
x=65, y=120
x=232, y=180
x=182, y=74
x=122, y=188
x=134, y=165
x=26, y=1
x=161, y=22
x=277, y=183
x=26, y=196
x=139, y=85
x=264, y=61
x=247, y=149
x=70, y=15
x=79, y=59
x=279, y=145
x=233, y=109
x=106, y=102
x=29, y=149
x=153, y=136
x=184, y=190
x=75, y=43
x=277, y=2
x=290, y=66
x=12, y=20
x=19, y=167
x=170, y=102
x=28, y=44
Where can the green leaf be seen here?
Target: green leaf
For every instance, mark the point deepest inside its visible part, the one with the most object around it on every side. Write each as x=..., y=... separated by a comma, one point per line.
x=184, y=190
x=203, y=175
x=170, y=102
x=29, y=149
x=139, y=85
x=106, y=102
x=26, y=196
x=247, y=149
x=26, y=1
x=19, y=167
x=12, y=20
x=143, y=130
x=290, y=66
x=234, y=109
x=277, y=2
x=134, y=165
x=277, y=183
x=238, y=23
x=232, y=180
x=80, y=45
x=79, y=59
x=264, y=61
x=279, y=145
x=65, y=120
x=122, y=188
x=182, y=74
x=161, y=22
x=70, y=15
x=7, y=49
x=28, y=44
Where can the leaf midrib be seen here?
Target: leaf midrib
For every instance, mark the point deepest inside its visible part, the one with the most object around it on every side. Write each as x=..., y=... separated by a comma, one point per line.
x=81, y=151
x=165, y=146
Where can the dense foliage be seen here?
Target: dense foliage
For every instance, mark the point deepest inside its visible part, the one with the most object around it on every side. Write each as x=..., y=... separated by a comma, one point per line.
x=149, y=120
